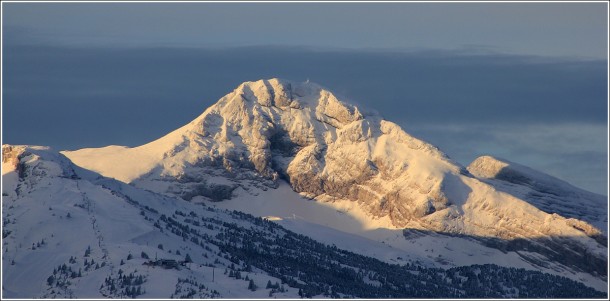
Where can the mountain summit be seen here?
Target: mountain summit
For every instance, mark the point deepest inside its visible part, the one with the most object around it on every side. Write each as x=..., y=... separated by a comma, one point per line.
x=269, y=131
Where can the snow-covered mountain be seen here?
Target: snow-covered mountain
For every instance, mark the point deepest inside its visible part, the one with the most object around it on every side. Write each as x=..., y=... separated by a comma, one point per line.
x=332, y=152
x=296, y=154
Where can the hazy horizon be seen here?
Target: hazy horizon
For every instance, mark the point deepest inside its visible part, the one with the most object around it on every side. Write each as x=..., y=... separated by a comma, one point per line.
x=533, y=91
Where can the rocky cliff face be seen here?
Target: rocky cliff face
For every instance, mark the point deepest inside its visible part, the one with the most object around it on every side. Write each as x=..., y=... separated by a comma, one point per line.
x=329, y=150
x=10, y=158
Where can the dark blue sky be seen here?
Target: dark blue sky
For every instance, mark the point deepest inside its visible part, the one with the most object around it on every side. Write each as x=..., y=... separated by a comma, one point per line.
x=527, y=82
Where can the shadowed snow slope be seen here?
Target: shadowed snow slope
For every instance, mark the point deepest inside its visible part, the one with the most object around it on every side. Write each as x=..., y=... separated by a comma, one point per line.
x=332, y=152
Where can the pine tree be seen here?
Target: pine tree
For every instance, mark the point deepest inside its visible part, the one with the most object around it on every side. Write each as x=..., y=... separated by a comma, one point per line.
x=50, y=280
x=188, y=258
x=251, y=285
x=144, y=255
x=88, y=251
x=268, y=284
x=129, y=257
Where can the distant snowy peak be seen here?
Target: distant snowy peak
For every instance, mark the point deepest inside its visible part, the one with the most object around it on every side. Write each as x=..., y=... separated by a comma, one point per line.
x=546, y=192
x=326, y=148
x=258, y=114
x=271, y=129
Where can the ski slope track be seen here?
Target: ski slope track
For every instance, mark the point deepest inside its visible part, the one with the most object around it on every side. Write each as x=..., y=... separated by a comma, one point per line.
x=311, y=165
